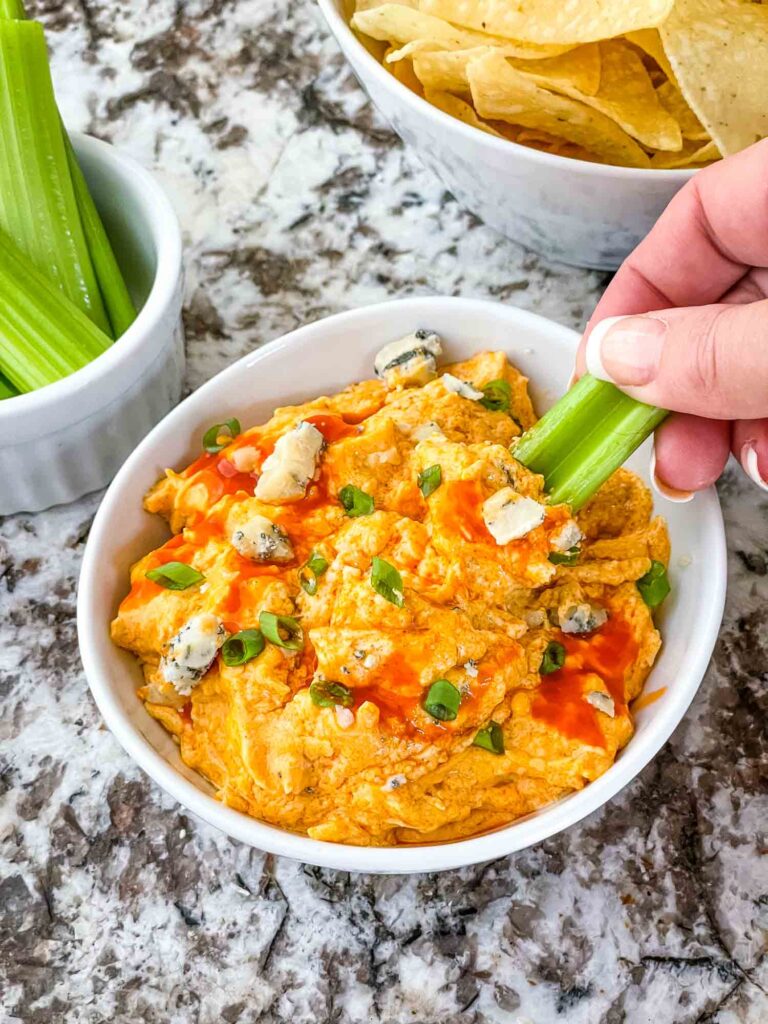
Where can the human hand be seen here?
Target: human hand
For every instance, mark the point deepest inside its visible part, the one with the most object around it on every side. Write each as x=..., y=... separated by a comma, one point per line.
x=701, y=276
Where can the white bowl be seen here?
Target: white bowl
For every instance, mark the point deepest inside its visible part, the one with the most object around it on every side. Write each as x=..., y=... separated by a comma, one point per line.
x=323, y=357
x=69, y=438
x=585, y=214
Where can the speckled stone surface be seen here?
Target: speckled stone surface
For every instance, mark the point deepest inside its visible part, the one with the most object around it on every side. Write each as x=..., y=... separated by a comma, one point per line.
x=296, y=201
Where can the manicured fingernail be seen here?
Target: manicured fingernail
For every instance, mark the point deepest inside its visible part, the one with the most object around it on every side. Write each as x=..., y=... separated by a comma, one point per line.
x=626, y=350
x=670, y=493
x=748, y=459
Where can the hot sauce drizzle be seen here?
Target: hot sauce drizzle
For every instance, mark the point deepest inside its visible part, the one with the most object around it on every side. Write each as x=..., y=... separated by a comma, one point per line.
x=395, y=688
x=332, y=427
x=142, y=589
x=561, y=701
x=218, y=474
x=460, y=511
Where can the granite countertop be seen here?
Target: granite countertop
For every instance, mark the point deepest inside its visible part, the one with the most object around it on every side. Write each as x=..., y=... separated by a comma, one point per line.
x=297, y=201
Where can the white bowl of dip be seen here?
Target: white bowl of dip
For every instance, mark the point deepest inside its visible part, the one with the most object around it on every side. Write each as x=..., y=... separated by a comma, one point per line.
x=321, y=358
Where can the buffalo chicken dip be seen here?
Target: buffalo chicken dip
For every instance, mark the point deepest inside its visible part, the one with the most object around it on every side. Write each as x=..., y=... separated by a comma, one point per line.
x=369, y=626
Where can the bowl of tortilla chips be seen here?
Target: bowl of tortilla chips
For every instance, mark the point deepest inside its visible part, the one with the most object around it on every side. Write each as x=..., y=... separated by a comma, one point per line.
x=567, y=127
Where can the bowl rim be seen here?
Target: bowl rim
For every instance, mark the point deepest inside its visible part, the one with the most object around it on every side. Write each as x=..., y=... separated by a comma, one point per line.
x=340, y=27
x=166, y=236
x=386, y=860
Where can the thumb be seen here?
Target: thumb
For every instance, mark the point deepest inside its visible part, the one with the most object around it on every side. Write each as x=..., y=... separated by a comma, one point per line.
x=710, y=361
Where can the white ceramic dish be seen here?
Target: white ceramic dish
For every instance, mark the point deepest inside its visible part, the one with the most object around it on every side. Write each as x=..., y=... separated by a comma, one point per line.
x=323, y=357
x=69, y=438
x=585, y=214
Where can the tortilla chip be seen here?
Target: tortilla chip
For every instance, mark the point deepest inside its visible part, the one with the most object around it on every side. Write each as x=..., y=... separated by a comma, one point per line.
x=547, y=21
x=415, y=46
x=501, y=92
x=627, y=96
x=578, y=70
x=674, y=103
x=719, y=52
x=693, y=154
x=461, y=110
x=446, y=71
x=402, y=24
x=368, y=5
x=547, y=143
x=403, y=71
x=649, y=41
x=609, y=77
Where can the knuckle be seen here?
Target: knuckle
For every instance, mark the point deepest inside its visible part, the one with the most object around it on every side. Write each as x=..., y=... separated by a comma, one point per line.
x=705, y=368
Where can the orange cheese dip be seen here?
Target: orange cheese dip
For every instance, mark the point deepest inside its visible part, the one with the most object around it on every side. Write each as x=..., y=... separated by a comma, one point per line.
x=422, y=575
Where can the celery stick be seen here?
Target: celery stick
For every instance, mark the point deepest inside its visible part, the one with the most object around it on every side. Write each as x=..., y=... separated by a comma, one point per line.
x=43, y=336
x=118, y=302
x=37, y=200
x=13, y=9
x=7, y=390
x=585, y=436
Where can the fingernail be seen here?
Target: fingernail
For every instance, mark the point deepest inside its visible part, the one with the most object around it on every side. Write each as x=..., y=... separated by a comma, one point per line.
x=670, y=493
x=626, y=350
x=748, y=459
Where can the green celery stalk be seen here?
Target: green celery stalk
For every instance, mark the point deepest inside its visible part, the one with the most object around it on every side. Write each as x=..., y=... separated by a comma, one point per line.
x=117, y=299
x=585, y=436
x=38, y=208
x=43, y=336
x=13, y=9
x=7, y=390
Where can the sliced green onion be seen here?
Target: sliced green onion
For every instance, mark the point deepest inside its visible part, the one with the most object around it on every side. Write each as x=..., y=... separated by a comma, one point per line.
x=227, y=430
x=43, y=336
x=429, y=480
x=585, y=437
x=553, y=658
x=275, y=626
x=569, y=557
x=242, y=647
x=491, y=737
x=387, y=581
x=355, y=502
x=311, y=572
x=654, y=586
x=497, y=396
x=117, y=299
x=38, y=208
x=327, y=694
x=442, y=701
x=175, y=576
